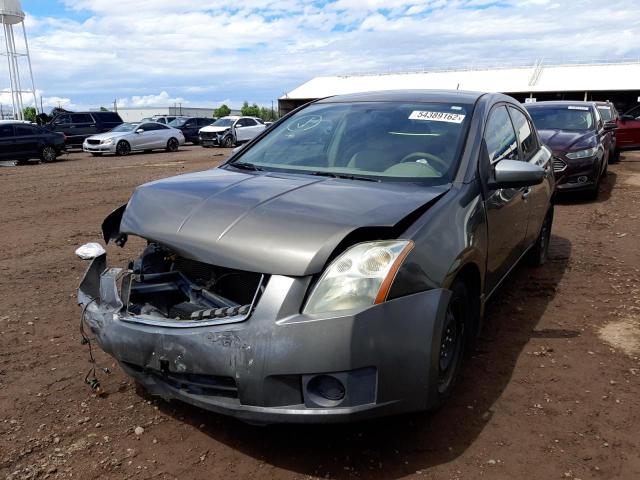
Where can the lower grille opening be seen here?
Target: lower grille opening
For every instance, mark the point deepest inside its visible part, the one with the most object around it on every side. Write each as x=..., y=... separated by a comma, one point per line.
x=165, y=286
x=194, y=383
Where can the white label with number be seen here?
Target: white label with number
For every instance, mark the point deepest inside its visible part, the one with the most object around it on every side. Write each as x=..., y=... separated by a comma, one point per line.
x=437, y=116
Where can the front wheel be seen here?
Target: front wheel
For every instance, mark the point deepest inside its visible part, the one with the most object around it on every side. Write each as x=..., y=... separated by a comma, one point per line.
x=172, y=145
x=540, y=251
x=453, y=340
x=227, y=142
x=123, y=148
x=48, y=154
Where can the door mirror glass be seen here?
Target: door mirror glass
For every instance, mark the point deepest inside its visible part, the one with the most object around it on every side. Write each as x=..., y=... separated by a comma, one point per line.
x=517, y=174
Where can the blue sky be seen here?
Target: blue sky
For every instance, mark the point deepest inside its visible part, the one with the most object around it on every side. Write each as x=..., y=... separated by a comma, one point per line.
x=88, y=53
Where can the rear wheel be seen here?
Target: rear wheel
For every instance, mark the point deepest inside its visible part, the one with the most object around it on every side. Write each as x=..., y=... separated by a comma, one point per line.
x=123, y=148
x=452, y=342
x=48, y=154
x=172, y=145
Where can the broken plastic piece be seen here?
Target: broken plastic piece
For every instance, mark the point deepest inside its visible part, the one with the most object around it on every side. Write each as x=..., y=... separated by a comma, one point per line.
x=89, y=251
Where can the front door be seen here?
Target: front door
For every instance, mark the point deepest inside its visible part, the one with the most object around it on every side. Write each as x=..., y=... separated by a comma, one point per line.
x=507, y=209
x=27, y=141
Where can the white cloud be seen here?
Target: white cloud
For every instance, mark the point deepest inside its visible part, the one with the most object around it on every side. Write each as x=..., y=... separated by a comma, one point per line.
x=200, y=50
x=163, y=99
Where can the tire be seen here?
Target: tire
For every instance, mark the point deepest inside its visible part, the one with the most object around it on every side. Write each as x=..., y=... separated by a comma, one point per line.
x=540, y=251
x=96, y=154
x=615, y=158
x=173, y=145
x=123, y=148
x=592, y=194
x=196, y=141
x=48, y=154
x=458, y=321
x=228, y=142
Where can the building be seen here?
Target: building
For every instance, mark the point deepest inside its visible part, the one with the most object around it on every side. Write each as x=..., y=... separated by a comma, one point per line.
x=135, y=114
x=618, y=81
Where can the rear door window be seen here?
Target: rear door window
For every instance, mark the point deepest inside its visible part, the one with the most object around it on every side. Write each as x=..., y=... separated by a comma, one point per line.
x=524, y=129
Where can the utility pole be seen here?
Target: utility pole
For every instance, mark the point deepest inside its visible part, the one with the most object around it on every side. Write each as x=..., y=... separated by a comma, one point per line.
x=115, y=105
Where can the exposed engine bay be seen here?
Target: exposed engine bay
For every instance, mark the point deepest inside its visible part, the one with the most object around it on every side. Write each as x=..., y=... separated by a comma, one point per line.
x=163, y=286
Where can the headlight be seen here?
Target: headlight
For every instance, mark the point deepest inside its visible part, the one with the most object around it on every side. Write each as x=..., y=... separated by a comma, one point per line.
x=108, y=141
x=589, y=152
x=360, y=277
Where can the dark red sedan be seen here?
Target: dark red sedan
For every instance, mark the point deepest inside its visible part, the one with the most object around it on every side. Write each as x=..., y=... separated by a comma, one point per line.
x=628, y=133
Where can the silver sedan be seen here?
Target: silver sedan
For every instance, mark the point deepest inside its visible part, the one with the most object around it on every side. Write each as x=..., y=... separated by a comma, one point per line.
x=130, y=137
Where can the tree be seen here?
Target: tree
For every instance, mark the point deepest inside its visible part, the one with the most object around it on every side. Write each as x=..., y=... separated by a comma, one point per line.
x=250, y=111
x=103, y=109
x=30, y=114
x=222, y=111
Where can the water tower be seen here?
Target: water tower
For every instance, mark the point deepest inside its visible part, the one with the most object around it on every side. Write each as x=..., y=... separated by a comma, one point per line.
x=11, y=15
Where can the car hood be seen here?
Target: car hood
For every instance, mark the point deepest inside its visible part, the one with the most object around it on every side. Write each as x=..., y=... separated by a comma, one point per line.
x=214, y=129
x=106, y=135
x=267, y=223
x=565, y=140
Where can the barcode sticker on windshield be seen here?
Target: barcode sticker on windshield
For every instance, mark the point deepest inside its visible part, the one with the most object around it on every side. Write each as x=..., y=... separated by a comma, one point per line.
x=574, y=107
x=437, y=116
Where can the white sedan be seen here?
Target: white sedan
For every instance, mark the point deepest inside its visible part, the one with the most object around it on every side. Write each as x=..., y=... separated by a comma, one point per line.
x=130, y=137
x=230, y=131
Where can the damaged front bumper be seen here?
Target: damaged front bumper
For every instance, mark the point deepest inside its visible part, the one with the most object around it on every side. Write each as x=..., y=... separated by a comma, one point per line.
x=277, y=365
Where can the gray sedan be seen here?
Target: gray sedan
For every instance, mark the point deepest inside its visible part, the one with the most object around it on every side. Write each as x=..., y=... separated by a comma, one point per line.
x=334, y=269
x=130, y=137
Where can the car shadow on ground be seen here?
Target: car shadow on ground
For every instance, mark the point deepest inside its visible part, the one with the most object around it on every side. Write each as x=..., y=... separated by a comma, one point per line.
x=394, y=447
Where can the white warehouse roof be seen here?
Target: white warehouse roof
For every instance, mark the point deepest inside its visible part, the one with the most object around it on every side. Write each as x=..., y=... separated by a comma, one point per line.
x=537, y=78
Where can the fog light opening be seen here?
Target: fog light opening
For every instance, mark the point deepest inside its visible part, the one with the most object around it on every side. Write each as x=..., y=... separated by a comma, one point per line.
x=583, y=179
x=326, y=390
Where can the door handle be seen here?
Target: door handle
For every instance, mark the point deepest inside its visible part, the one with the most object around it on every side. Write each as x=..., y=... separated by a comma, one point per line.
x=526, y=193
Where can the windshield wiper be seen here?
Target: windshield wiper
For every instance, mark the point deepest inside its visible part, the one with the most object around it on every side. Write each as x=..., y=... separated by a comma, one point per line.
x=246, y=166
x=344, y=176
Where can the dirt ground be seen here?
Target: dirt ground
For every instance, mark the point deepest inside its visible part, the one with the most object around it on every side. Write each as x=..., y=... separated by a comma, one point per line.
x=552, y=392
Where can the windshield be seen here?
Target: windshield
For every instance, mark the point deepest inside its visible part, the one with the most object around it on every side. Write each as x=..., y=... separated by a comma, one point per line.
x=562, y=118
x=223, y=122
x=383, y=141
x=605, y=113
x=125, y=127
x=178, y=122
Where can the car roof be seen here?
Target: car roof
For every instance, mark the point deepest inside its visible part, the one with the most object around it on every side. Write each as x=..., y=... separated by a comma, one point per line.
x=453, y=96
x=560, y=103
x=16, y=122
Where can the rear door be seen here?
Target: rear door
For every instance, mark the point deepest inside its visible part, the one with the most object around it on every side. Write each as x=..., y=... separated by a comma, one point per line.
x=506, y=208
x=628, y=133
x=82, y=125
x=7, y=142
x=537, y=196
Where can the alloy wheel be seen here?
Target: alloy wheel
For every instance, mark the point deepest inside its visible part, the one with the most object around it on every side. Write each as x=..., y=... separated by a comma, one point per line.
x=123, y=149
x=49, y=154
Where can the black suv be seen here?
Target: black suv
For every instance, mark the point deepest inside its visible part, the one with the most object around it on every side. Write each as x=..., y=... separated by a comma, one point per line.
x=78, y=126
x=190, y=127
x=24, y=141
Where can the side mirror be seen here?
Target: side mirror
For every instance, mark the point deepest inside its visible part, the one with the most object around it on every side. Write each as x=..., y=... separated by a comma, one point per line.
x=516, y=174
x=610, y=126
x=627, y=117
x=140, y=130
